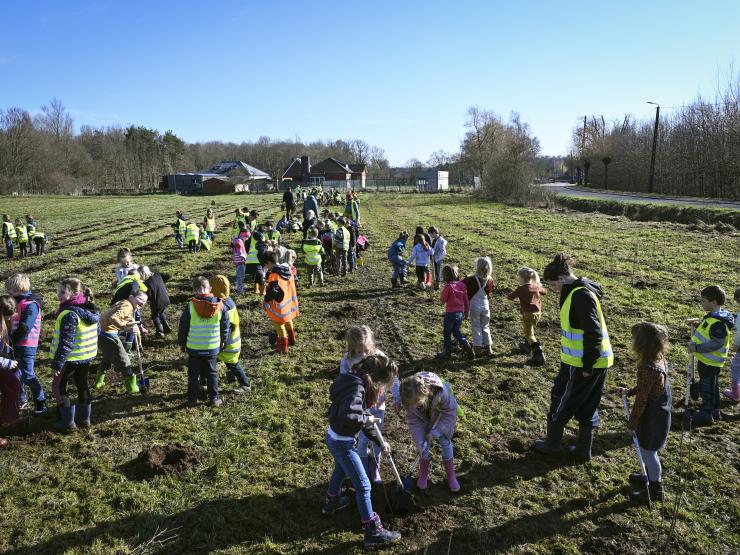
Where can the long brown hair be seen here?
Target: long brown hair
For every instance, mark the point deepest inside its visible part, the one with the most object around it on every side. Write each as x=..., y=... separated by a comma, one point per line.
x=7, y=309
x=376, y=371
x=650, y=342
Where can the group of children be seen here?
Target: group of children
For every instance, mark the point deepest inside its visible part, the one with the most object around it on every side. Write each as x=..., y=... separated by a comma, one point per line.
x=195, y=236
x=26, y=235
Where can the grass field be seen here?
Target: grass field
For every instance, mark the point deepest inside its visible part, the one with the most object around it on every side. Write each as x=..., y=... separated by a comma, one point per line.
x=258, y=480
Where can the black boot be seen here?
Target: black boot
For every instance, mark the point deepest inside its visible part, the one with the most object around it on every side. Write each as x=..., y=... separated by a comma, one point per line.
x=637, y=479
x=394, y=283
x=641, y=495
x=582, y=448
x=524, y=347
x=538, y=356
x=376, y=535
x=551, y=445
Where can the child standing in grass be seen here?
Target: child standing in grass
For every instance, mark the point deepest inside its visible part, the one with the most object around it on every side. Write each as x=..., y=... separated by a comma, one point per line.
x=360, y=344
x=528, y=294
x=239, y=258
x=204, y=238
x=734, y=391
x=480, y=288
x=421, y=253
x=192, y=236
x=455, y=298
x=281, y=302
x=125, y=264
x=9, y=234
x=711, y=342
x=229, y=355
x=22, y=233
x=203, y=332
x=209, y=223
x=397, y=260
x=9, y=384
x=439, y=247
x=313, y=252
x=25, y=335
x=352, y=395
x=651, y=411
x=431, y=413
x=159, y=299
x=74, y=347
x=31, y=231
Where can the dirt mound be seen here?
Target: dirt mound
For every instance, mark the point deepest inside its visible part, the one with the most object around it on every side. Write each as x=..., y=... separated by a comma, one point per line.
x=159, y=460
x=345, y=311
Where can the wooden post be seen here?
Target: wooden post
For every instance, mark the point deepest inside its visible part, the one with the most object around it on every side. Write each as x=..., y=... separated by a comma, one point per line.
x=655, y=144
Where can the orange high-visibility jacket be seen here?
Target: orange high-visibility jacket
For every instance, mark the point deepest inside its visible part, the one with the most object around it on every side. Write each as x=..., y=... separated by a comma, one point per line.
x=287, y=309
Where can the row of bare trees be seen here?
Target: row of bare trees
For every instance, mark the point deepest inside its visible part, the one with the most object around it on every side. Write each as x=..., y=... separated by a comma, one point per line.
x=43, y=154
x=697, y=150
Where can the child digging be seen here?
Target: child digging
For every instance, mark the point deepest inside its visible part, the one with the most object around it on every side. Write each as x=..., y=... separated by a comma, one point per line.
x=734, y=391
x=528, y=293
x=73, y=349
x=24, y=336
x=352, y=395
x=431, y=413
x=651, y=411
x=455, y=298
x=480, y=288
x=711, y=342
x=229, y=355
x=203, y=332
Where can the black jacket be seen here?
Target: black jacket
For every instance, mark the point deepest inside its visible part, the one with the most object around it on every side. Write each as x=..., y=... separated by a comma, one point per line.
x=348, y=414
x=159, y=299
x=288, y=198
x=583, y=316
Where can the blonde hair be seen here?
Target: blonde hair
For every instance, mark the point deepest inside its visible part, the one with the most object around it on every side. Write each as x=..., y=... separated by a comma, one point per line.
x=201, y=285
x=529, y=275
x=414, y=391
x=18, y=283
x=483, y=267
x=360, y=341
x=7, y=308
x=73, y=286
x=290, y=256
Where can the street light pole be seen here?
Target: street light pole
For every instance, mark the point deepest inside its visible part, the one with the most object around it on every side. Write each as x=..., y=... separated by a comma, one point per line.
x=655, y=144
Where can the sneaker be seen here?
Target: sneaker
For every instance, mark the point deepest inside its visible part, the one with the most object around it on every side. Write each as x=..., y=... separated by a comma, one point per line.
x=217, y=402
x=25, y=405
x=241, y=390
x=40, y=407
x=334, y=503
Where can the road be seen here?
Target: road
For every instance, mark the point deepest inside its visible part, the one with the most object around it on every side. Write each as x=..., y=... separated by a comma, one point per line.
x=573, y=191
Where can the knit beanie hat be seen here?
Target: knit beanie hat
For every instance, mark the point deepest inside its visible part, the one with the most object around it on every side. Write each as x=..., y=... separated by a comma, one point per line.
x=220, y=286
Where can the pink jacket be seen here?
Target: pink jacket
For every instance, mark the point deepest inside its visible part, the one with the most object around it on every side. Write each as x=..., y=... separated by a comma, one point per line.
x=443, y=405
x=239, y=253
x=455, y=297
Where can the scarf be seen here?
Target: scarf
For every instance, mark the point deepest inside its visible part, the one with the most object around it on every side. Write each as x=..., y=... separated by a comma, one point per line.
x=78, y=299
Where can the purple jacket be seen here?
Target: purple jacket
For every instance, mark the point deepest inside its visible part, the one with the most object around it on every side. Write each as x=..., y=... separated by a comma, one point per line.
x=443, y=404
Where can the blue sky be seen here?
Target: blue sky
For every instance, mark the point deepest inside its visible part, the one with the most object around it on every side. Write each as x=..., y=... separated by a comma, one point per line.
x=399, y=74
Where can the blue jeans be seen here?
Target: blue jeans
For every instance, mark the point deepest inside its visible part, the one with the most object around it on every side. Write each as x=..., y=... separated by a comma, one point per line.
x=347, y=463
x=206, y=366
x=237, y=371
x=352, y=259
x=444, y=443
x=240, y=273
x=26, y=357
x=451, y=327
x=160, y=322
x=652, y=465
x=709, y=386
x=363, y=442
x=399, y=267
x=572, y=395
x=9, y=247
x=438, y=271
x=178, y=239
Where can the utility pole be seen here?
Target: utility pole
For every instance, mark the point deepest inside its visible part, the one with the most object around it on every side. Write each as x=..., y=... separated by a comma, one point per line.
x=655, y=144
x=581, y=178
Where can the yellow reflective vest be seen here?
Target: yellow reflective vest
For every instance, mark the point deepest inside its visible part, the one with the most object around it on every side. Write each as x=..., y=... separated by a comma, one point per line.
x=702, y=335
x=85, y=346
x=571, y=339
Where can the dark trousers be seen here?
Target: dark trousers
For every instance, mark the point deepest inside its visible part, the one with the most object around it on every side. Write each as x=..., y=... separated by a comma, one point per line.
x=77, y=373
x=572, y=395
x=23, y=248
x=39, y=246
x=451, y=327
x=206, y=366
x=9, y=247
x=708, y=386
x=160, y=322
x=235, y=369
x=193, y=246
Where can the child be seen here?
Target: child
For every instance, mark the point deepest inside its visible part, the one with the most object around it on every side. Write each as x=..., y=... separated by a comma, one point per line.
x=129, y=285
x=289, y=257
x=8, y=235
x=31, y=230
x=439, y=245
x=22, y=233
x=281, y=302
x=240, y=222
x=711, y=342
x=313, y=251
x=397, y=260
x=39, y=241
x=341, y=246
x=252, y=220
x=734, y=391
x=308, y=222
x=271, y=233
x=360, y=344
x=203, y=332
x=431, y=413
x=651, y=411
x=204, y=239
x=352, y=394
x=528, y=293
x=119, y=318
x=229, y=355
x=455, y=298
x=24, y=336
x=9, y=384
x=239, y=258
x=192, y=237
x=73, y=349
x=180, y=227
x=480, y=288
x=256, y=248
x=209, y=224
x=125, y=264
x=421, y=253
x=159, y=299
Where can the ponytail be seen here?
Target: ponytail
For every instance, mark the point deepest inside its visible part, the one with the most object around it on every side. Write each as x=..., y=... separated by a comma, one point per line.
x=376, y=371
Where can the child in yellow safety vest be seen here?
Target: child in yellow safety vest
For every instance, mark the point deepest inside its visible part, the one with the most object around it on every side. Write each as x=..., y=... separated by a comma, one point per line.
x=205, y=239
x=9, y=235
x=74, y=347
x=203, y=333
x=313, y=252
x=281, y=301
x=22, y=234
x=229, y=355
x=711, y=343
x=209, y=223
x=192, y=237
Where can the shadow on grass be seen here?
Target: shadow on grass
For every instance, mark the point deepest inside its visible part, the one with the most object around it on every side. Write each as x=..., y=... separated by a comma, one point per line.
x=213, y=525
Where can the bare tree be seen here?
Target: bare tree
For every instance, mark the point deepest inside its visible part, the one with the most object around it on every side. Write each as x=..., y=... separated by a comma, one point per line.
x=55, y=121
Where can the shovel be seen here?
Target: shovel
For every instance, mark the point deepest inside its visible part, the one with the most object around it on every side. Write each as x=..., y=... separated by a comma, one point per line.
x=690, y=390
x=636, y=443
x=143, y=381
x=406, y=500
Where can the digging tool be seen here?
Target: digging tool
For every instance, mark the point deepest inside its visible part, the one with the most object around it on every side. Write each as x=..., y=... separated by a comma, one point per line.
x=406, y=499
x=687, y=416
x=636, y=443
x=143, y=381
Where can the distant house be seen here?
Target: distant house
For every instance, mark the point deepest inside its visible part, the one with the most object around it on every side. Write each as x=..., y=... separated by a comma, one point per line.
x=226, y=176
x=359, y=172
x=330, y=172
x=428, y=180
